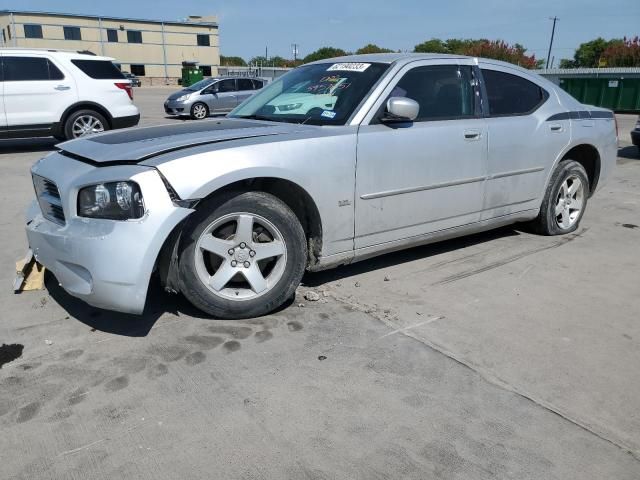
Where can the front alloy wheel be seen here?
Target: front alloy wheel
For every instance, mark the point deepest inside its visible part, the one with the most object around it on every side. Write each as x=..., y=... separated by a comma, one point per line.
x=199, y=111
x=241, y=255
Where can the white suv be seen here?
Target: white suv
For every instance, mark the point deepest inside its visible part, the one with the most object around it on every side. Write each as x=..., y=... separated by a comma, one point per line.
x=62, y=94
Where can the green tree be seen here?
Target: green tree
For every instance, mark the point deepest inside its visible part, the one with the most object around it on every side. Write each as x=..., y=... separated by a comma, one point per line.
x=589, y=53
x=372, y=48
x=435, y=45
x=324, y=52
x=232, y=61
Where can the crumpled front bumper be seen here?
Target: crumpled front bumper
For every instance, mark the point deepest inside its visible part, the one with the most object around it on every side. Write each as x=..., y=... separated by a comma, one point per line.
x=106, y=263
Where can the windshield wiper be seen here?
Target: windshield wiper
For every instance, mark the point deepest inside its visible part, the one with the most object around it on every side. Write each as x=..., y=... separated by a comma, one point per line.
x=256, y=117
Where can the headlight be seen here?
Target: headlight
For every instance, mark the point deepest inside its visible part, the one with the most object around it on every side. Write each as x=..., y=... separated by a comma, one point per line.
x=113, y=200
x=289, y=107
x=183, y=98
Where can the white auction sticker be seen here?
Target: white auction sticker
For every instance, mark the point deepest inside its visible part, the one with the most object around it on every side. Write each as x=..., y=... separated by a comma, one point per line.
x=348, y=67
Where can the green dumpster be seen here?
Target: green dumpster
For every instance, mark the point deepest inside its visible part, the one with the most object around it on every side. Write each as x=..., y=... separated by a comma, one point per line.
x=191, y=73
x=614, y=92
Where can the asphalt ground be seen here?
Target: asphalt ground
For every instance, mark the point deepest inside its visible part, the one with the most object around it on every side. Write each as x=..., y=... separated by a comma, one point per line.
x=500, y=355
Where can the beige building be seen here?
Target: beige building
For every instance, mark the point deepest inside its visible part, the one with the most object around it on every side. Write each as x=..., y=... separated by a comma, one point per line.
x=147, y=48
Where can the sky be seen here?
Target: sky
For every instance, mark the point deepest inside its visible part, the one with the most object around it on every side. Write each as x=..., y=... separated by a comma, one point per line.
x=247, y=27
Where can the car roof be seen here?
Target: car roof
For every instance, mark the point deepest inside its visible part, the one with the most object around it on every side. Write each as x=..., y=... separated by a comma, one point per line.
x=403, y=58
x=62, y=53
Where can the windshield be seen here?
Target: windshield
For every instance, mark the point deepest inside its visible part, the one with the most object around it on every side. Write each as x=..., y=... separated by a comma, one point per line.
x=319, y=94
x=200, y=85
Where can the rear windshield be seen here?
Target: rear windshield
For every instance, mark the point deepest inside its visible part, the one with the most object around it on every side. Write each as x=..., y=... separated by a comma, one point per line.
x=99, y=69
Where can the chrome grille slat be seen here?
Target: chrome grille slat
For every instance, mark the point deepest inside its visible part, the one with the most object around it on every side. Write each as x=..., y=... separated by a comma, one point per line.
x=49, y=199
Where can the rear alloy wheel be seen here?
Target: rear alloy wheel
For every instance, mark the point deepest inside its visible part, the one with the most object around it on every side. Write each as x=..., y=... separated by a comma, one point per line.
x=565, y=200
x=243, y=258
x=83, y=123
x=199, y=111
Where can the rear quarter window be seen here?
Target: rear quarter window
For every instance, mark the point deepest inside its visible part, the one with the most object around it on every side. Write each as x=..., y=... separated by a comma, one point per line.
x=99, y=69
x=511, y=94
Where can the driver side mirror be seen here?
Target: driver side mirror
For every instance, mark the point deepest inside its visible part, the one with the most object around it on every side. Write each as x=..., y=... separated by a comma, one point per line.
x=401, y=109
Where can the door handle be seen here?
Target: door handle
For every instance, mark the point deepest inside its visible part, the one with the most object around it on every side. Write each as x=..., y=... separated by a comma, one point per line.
x=62, y=87
x=472, y=135
x=556, y=127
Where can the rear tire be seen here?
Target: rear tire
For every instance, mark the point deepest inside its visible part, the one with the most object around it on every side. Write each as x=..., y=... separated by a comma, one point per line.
x=199, y=111
x=242, y=255
x=84, y=122
x=565, y=200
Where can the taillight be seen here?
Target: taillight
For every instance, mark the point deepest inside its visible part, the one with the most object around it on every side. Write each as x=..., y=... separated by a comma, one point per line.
x=126, y=87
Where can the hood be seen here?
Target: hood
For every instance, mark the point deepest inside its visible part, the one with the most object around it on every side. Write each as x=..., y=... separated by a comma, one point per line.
x=138, y=144
x=180, y=93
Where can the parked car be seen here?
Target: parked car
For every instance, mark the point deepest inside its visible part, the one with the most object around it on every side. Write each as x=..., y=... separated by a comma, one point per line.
x=635, y=134
x=413, y=149
x=135, y=81
x=211, y=95
x=62, y=94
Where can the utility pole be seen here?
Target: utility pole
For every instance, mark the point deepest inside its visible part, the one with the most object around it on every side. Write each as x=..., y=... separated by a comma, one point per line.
x=553, y=31
x=294, y=48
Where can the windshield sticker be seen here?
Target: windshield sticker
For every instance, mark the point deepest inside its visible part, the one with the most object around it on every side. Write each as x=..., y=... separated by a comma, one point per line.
x=328, y=114
x=348, y=67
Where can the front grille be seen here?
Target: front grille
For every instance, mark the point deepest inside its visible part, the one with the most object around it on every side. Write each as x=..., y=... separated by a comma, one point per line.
x=49, y=199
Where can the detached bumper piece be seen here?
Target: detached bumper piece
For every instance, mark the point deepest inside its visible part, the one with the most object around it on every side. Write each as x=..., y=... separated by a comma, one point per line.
x=29, y=274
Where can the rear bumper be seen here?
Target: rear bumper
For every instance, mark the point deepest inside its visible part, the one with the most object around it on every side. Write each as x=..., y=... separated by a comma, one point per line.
x=635, y=137
x=125, y=122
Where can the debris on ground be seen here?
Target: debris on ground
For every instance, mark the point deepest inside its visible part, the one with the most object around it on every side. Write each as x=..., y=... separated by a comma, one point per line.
x=48, y=342
x=357, y=284
x=311, y=296
x=322, y=357
x=387, y=279
x=301, y=305
x=29, y=274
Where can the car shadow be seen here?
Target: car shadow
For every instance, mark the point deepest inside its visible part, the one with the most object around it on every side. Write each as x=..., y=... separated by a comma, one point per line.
x=316, y=279
x=158, y=303
x=629, y=152
x=20, y=145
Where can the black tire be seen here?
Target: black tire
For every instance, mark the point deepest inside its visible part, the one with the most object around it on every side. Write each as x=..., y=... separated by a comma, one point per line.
x=546, y=223
x=71, y=119
x=258, y=203
x=199, y=104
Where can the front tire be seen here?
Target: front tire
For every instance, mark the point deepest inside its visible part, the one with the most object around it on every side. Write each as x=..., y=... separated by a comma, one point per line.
x=565, y=200
x=83, y=123
x=242, y=255
x=199, y=111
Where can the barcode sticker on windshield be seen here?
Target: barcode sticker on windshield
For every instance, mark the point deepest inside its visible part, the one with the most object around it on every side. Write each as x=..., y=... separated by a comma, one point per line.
x=348, y=67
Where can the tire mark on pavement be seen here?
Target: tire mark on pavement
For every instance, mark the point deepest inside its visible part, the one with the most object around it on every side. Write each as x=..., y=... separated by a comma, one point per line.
x=510, y=259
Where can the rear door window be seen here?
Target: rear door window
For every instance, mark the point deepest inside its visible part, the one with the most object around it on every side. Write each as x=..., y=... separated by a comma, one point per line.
x=511, y=94
x=99, y=69
x=245, y=84
x=22, y=69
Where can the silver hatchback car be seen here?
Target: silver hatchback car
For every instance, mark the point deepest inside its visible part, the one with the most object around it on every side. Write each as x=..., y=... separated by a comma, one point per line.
x=211, y=95
x=334, y=162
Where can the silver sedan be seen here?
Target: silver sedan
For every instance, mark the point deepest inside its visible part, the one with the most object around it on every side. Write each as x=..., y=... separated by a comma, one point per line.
x=335, y=162
x=211, y=95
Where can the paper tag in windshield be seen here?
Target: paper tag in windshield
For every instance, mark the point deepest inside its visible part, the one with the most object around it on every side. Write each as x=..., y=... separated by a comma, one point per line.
x=348, y=67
